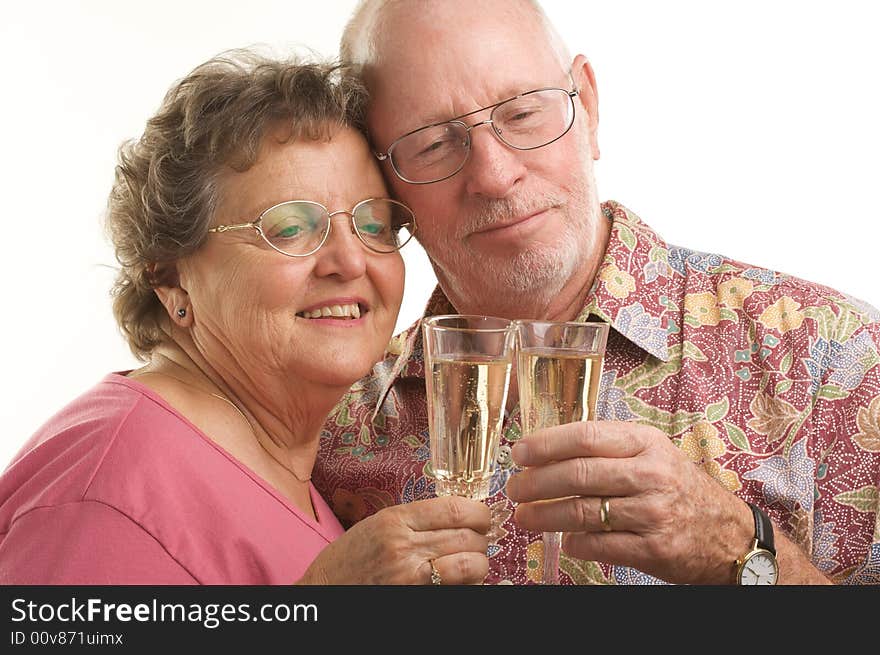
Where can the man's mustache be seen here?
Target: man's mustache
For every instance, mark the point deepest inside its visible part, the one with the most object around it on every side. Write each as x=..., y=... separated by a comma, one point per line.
x=485, y=213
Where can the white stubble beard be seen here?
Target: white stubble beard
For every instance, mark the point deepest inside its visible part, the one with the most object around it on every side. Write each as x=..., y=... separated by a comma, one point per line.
x=524, y=284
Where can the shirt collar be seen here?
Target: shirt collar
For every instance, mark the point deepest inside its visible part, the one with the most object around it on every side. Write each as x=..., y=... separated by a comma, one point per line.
x=631, y=292
x=632, y=286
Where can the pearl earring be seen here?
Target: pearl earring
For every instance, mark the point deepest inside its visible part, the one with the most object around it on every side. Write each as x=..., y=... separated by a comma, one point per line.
x=181, y=312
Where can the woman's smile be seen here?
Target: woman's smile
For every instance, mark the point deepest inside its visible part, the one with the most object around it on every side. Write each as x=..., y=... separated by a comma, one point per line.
x=347, y=310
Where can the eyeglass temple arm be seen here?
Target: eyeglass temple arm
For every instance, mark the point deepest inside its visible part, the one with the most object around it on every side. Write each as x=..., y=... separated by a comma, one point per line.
x=227, y=228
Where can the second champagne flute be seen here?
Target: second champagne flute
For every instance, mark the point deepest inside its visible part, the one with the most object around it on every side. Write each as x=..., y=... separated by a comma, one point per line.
x=559, y=366
x=468, y=360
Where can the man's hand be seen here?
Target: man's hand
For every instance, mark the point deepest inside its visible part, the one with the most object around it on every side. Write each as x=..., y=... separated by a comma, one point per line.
x=396, y=545
x=668, y=518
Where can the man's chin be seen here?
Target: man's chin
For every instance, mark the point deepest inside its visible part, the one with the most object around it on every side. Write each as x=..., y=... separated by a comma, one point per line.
x=504, y=244
x=515, y=279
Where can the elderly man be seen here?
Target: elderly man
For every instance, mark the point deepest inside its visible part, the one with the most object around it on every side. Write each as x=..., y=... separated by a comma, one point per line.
x=740, y=406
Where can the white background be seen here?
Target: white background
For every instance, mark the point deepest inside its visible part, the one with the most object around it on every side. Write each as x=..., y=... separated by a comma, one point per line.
x=747, y=128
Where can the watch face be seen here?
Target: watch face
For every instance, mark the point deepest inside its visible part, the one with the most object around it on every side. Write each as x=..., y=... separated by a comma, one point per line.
x=760, y=568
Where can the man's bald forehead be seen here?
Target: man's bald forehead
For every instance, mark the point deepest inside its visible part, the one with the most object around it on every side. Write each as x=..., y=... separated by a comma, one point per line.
x=367, y=28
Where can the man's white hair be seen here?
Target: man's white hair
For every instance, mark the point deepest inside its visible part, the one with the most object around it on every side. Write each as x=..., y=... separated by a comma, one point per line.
x=359, y=47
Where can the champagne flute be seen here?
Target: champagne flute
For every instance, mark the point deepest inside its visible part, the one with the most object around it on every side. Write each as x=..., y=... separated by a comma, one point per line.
x=559, y=367
x=468, y=360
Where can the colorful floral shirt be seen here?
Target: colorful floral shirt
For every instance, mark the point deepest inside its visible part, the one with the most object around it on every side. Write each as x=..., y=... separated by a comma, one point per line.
x=769, y=382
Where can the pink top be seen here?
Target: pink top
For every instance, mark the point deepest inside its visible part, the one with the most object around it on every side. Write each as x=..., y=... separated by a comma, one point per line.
x=120, y=488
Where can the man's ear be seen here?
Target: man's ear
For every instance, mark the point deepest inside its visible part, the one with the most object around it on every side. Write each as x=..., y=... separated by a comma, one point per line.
x=174, y=299
x=585, y=81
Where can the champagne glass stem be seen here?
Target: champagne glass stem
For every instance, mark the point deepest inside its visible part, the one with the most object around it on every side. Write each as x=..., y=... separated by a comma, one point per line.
x=558, y=372
x=552, y=546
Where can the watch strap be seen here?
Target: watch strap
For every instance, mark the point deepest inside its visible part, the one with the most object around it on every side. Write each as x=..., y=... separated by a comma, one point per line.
x=763, y=529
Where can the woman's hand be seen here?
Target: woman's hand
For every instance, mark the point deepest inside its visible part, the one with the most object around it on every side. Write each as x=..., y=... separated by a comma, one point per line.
x=396, y=546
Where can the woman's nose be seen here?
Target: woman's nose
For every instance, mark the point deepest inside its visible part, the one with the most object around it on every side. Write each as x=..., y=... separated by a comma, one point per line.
x=342, y=254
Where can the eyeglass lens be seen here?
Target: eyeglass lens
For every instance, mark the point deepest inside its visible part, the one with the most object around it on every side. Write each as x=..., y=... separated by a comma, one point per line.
x=299, y=227
x=529, y=121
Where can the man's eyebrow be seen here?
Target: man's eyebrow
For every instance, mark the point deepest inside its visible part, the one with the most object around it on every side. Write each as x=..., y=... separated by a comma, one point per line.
x=434, y=119
x=510, y=92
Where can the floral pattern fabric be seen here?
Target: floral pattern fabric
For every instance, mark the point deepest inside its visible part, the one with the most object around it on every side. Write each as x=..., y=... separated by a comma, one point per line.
x=770, y=383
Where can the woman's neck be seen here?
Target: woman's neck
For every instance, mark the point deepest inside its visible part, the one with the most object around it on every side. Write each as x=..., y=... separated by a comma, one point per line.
x=269, y=425
x=289, y=411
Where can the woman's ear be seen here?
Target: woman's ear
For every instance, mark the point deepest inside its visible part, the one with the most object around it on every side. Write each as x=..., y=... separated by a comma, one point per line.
x=585, y=80
x=174, y=299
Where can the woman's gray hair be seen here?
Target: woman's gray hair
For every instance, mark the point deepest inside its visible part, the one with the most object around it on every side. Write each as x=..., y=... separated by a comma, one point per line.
x=165, y=190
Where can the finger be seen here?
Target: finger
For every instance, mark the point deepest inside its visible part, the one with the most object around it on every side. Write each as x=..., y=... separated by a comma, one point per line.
x=623, y=548
x=583, y=439
x=459, y=569
x=580, y=476
x=577, y=515
x=438, y=543
x=447, y=512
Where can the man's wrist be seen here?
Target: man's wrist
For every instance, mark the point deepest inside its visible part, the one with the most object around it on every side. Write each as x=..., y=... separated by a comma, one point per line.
x=758, y=565
x=744, y=537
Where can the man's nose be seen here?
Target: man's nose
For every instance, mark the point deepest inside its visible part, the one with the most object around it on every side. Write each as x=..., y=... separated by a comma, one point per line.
x=493, y=168
x=343, y=254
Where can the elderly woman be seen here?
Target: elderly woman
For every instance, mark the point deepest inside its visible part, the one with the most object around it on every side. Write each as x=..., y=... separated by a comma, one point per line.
x=260, y=278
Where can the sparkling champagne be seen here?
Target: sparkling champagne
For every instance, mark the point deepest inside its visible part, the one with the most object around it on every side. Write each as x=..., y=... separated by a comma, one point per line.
x=559, y=370
x=466, y=398
x=557, y=386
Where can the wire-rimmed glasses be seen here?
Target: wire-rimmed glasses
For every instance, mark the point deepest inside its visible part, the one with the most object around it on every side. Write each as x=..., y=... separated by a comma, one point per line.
x=298, y=228
x=524, y=122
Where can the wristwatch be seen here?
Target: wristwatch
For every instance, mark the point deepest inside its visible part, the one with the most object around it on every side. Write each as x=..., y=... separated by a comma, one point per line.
x=759, y=566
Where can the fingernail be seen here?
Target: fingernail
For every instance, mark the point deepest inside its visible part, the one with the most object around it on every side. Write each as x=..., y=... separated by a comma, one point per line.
x=520, y=452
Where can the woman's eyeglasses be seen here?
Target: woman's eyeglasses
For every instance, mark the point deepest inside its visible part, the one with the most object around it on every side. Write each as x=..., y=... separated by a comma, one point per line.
x=298, y=228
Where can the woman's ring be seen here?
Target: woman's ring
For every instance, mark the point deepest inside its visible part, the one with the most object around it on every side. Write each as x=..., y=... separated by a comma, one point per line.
x=435, y=574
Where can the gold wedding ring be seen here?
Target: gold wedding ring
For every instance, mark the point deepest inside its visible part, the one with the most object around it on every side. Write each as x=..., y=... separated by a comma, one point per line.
x=435, y=574
x=605, y=514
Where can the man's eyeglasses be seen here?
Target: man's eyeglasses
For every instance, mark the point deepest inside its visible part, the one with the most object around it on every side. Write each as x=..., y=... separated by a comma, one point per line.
x=525, y=122
x=298, y=228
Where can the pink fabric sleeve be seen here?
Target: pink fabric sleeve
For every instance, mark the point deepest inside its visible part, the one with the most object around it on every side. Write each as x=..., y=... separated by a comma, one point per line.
x=85, y=543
